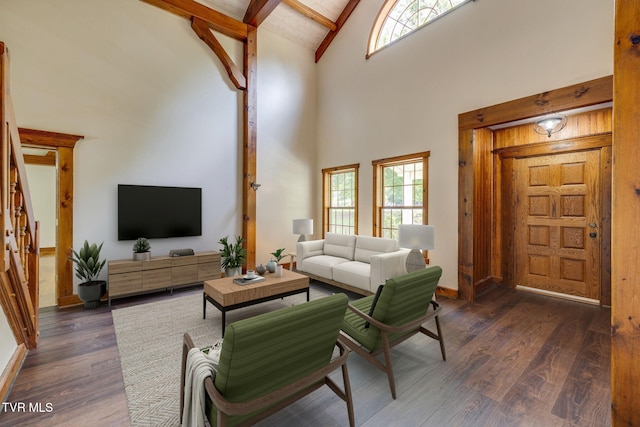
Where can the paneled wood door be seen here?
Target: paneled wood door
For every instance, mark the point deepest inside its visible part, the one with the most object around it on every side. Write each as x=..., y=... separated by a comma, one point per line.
x=557, y=223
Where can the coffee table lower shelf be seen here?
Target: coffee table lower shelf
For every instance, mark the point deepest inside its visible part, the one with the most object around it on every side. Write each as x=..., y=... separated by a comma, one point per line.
x=224, y=310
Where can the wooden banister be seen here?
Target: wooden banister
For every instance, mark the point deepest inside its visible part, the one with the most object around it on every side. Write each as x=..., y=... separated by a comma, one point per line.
x=19, y=239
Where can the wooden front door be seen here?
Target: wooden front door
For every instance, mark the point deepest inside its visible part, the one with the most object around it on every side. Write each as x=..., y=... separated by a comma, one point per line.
x=557, y=217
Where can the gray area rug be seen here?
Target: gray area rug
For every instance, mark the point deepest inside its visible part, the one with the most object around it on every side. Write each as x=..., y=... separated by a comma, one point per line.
x=149, y=338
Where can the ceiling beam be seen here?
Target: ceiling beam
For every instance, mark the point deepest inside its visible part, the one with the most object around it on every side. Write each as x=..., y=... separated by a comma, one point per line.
x=342, y=19
x=215, y=20
x=310, y=13
x=259, y=10
x=204, y=33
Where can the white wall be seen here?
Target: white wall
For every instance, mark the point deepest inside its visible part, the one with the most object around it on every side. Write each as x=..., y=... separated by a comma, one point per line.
x=407, y=97
x=43, y=188
x=157, y=108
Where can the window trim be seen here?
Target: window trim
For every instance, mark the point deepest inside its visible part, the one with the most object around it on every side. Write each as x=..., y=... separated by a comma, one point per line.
x=382, y=16
x=326, y=196
x=378, y=165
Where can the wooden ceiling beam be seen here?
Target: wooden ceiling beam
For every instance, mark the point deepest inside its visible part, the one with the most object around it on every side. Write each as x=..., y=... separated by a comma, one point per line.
x=259, y=10
x=342, y=19
x=215, y=20
x=204, y=33
x=311, y=14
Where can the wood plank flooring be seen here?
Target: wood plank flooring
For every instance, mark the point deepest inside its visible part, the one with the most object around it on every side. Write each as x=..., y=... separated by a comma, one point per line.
x=513, y=359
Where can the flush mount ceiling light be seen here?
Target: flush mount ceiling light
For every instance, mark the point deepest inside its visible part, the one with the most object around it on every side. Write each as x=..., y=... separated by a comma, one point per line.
x=550, y=124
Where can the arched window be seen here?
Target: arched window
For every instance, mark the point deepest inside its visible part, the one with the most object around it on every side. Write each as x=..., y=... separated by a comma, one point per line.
x=397, y=18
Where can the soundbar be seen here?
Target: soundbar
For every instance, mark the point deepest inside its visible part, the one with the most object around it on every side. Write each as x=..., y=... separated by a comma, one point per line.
x=180, y=252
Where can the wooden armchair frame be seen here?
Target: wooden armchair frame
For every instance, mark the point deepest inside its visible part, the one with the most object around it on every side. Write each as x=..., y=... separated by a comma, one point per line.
x=385, y=330
x=289, y=393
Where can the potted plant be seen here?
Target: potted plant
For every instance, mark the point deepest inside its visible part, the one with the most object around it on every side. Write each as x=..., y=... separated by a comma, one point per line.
x=88, y=267
x=233, y=256
x=272, y=264
x=141, y=250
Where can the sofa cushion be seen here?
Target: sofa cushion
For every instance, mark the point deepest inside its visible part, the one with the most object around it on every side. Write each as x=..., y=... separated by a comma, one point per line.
x=321, y=265
x=340, y=245
x=353, y=273
x=367, y=246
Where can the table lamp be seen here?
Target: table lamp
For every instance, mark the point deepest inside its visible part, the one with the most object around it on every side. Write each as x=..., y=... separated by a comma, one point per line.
x=302, y=227
x=416, y=237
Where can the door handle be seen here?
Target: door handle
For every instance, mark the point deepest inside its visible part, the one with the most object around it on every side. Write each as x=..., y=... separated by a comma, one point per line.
x=593, y=234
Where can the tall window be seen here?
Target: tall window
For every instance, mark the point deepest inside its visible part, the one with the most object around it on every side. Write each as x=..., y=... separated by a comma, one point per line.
x=397, y=18
x=340, y=201
x=400, y=184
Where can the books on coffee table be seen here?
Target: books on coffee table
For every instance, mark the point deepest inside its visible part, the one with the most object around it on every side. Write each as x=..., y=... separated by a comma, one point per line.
x=245, y=280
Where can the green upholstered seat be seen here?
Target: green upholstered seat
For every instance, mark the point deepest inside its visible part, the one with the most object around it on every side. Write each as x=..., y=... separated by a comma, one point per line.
x=400, y=309
x=265, y=353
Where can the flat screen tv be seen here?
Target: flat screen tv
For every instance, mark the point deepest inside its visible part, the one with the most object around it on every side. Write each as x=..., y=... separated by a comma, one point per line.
x=157, y=212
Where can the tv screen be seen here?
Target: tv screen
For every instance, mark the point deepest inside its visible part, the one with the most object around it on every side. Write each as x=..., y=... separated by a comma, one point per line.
x=155, y=212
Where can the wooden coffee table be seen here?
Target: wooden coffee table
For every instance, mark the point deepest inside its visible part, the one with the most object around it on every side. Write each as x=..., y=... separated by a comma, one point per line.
x=227, y=295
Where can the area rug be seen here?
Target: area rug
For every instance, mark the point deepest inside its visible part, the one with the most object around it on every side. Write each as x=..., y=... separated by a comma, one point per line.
x=149, y=338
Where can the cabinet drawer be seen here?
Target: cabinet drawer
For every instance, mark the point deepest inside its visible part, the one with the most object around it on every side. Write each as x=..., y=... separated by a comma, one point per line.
x=184, y=274
x=157, y=263
x=125, y=283
x=208, y=271
x=159, y=278
x=184, y=260
x=117, y=267
x=209, y=257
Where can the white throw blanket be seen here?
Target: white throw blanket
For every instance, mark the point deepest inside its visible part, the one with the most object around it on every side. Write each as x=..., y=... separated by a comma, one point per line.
x=199, y=366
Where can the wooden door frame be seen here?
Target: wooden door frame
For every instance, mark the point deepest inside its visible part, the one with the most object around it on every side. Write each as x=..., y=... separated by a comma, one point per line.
x=64, y=144
x=475, y=266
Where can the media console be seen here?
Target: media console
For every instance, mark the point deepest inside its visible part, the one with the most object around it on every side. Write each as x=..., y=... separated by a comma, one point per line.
x=128, y=277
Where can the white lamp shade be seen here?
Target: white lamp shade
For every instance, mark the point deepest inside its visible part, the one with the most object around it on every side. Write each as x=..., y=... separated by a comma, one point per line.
x=303, y=226
x=416, y=236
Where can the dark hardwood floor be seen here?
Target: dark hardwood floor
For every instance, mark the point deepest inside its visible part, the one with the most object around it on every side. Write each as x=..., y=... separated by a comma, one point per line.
x=513, y=358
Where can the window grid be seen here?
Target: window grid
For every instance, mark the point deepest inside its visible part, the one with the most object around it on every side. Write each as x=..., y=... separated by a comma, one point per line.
x=340, y=203
x=399, y=18
x=401, y=193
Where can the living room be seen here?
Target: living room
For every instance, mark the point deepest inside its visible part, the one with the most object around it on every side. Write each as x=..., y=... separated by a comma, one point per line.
x=155, y=106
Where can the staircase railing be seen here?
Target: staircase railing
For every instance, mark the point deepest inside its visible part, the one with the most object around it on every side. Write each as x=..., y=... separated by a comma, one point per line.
x=19, y=262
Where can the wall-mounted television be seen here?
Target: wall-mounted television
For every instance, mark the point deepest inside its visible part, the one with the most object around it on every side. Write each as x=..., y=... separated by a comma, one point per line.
x=158, y=212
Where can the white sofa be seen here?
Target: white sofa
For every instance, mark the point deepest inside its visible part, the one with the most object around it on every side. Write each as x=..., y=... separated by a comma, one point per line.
x=357, y=263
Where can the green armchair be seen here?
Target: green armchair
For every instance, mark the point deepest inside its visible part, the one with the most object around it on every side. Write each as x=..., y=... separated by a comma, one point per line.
x=374, y=324
x=269, y=361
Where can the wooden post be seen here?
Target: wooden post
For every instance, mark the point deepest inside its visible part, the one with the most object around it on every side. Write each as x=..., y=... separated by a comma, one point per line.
x=625, y=313
x=249, y=146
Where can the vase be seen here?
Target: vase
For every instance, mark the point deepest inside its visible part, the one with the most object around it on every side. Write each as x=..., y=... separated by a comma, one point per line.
x=271, y=266
x=141, y=256
x=261, y=269
x=230, y=272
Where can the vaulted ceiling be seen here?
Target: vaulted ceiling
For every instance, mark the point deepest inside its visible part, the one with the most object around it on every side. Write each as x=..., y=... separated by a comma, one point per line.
x=309, y=23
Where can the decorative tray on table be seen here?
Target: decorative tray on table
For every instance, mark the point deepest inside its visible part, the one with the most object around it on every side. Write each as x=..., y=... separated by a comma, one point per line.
x=244, y=280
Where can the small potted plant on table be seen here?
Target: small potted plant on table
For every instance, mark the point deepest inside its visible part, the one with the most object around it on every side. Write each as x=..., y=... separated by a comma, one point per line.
x=88, y=267
x=272, y=264
x=233, y=256
x=141, y=250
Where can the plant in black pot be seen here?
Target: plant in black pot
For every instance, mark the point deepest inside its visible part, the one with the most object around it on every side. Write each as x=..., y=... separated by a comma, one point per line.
x=233, y=256
x=141, y=250
x=88, y=267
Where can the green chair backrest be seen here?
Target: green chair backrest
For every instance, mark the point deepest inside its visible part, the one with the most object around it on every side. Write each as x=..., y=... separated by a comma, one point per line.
x=405, y=298
x=266, y=352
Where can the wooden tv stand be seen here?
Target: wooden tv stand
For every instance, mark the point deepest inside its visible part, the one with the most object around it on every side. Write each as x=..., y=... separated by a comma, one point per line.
x=128, y=277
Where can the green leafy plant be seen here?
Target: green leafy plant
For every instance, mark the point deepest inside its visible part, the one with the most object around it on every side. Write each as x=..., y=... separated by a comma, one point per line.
x=87, y=260
x=233, y=255
x=141, y=245
x=278, y=254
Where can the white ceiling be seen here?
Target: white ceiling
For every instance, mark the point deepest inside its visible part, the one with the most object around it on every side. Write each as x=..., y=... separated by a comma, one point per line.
x=286, y=21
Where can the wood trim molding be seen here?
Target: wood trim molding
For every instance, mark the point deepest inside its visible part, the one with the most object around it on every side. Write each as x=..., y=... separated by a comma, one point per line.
x=48, y=139
x=10, y=372
x=574, y=144
x=472, y=147
x=48, y=159
x=342, y=19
